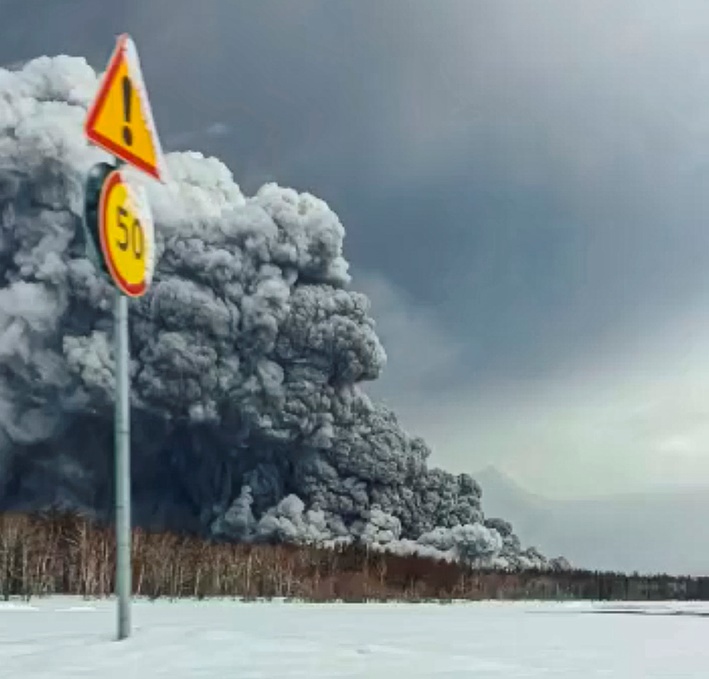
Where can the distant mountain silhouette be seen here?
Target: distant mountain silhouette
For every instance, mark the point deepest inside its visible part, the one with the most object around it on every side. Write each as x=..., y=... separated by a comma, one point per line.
x=664, y=530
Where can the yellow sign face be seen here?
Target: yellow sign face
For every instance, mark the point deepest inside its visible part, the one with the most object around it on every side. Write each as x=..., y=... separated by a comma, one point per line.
x=127, y=234
x=120, y=119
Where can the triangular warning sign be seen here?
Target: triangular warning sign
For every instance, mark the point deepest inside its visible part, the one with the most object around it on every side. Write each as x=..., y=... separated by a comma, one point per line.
x=120, y=119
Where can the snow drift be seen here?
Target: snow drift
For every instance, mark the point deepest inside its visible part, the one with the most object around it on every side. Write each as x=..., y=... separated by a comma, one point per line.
x=248, y=421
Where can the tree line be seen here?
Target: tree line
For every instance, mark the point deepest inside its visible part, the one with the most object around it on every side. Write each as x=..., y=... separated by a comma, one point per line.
x=66, y=553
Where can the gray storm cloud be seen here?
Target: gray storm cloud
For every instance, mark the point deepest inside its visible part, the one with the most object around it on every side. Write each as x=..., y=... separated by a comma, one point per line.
x=247, y=352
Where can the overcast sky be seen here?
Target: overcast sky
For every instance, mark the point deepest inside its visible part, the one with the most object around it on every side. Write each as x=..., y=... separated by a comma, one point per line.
x=524, y=188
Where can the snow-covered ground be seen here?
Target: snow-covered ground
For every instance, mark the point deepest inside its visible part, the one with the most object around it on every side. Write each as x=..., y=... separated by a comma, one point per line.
x=66, y=638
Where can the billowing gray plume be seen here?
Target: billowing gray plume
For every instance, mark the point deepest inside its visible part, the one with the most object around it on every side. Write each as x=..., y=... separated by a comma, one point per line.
x=247, y=352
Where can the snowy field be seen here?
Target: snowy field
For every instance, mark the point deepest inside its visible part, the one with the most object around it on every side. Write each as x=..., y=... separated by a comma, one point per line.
x=62, y=638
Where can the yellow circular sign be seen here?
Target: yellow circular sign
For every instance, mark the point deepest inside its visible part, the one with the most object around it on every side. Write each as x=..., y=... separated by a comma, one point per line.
x=127, y=234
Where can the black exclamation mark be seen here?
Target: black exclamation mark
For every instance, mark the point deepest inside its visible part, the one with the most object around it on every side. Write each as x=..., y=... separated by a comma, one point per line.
x=127, y=91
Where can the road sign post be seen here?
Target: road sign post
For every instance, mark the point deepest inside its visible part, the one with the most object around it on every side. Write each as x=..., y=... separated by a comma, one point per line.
x=122, y=443
x=119, y=224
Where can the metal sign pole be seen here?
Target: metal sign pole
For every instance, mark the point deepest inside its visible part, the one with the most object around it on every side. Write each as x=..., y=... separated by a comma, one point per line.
x=122, y=442
x=118, y=222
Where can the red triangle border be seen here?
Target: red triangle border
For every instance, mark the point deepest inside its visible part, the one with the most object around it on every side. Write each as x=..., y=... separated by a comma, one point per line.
x=97, y=107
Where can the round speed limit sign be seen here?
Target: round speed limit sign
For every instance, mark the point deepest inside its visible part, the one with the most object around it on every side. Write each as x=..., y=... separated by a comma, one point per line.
x=127, y=234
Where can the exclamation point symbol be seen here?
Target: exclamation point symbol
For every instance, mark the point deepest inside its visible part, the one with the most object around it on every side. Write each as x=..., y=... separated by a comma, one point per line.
x=127, y=96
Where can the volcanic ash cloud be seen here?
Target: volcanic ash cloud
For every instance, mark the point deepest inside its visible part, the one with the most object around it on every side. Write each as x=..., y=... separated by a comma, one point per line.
x=247, y=353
